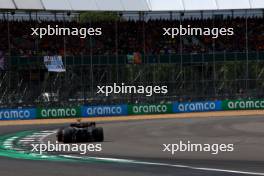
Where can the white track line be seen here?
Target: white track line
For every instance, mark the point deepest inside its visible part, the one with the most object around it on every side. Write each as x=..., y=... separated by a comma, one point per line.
x=37, y=137
x=41, y=139
x=26, y=140
x=165, y=164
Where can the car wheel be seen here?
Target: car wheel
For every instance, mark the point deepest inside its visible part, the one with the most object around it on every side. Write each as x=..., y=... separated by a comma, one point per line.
x=60, y=135
x=68, y=135
x=98, y=134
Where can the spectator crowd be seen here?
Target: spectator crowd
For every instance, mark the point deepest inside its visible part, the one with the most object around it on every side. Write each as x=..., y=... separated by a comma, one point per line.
x=128, y=36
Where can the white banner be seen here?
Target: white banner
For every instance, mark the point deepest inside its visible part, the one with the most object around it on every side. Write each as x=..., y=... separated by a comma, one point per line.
x=54, y=63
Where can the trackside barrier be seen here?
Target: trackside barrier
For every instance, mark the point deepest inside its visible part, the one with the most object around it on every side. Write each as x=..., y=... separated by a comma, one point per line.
x=104, y=110
x=132, y=109
x=243, y=104
x=150, y=109
x=67, y=112
x=197, y=106
x=18, y=114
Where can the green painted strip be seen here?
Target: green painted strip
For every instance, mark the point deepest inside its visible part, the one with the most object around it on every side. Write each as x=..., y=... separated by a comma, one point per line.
x=9, y=147
x=15, y=151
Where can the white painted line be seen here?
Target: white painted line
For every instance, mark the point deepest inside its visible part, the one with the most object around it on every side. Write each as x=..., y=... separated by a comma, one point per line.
x=12, y=138
x=37, y=135
x=201, y=168
x=71, y=156
x=165, y=164
x=47, y=131
x=8, y=146
x=26, y=140
x=29, y=138
x=8, y=143
x=43, y=137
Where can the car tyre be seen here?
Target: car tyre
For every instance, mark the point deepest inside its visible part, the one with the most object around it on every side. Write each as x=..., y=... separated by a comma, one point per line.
x=98, y=134
x=60, y=135
x=68, y=135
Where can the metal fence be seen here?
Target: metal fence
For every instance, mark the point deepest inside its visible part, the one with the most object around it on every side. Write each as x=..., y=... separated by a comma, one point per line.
x=188, y=77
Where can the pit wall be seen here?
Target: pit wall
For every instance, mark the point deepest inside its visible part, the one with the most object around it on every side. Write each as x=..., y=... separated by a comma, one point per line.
x=128, y=109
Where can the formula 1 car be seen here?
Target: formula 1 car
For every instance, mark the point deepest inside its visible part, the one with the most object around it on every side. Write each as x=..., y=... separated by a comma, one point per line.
x=80, y=132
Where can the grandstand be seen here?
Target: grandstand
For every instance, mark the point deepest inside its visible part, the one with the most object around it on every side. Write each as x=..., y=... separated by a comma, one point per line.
x=193, y=67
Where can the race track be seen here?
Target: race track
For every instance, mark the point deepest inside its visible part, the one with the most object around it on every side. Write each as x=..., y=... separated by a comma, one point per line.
x=134, y=148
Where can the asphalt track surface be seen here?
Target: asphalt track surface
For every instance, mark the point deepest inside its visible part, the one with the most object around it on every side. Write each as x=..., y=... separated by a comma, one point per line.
x=142, y=141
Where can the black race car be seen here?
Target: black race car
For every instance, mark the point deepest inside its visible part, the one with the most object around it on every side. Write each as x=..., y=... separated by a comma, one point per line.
x=80, y=132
